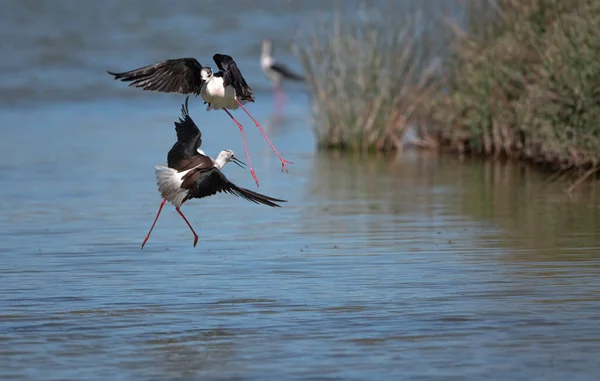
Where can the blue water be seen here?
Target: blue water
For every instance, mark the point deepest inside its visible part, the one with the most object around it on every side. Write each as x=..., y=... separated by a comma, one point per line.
x=408, y=267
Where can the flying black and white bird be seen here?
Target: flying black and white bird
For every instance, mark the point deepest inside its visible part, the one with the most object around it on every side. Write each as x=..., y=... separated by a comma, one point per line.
x=193, y=174
x=226, y=89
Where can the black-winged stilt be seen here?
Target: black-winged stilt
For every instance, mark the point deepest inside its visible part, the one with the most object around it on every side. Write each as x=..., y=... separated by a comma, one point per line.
x=192, y=174
x=275, y=71
x=225, y=89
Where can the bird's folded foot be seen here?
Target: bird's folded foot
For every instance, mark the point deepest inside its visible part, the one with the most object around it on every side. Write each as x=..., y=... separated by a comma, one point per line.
x=283, y=164
x=195, y=240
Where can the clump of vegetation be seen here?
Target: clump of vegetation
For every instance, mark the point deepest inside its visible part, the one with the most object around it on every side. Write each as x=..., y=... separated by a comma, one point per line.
x=368, y=79
x=525, y=82
x=520, y=78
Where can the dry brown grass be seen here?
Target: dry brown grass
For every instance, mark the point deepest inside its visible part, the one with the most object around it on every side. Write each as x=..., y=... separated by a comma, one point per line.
x=370, y=79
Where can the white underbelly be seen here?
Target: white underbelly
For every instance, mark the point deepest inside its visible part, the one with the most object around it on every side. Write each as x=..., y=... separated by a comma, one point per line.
x=219, y=97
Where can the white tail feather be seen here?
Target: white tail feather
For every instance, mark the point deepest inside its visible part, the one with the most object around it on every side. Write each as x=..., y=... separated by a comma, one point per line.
x=169, y=184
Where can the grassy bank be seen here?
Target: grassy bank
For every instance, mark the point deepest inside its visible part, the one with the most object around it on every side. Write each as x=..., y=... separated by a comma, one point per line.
x=518, y=79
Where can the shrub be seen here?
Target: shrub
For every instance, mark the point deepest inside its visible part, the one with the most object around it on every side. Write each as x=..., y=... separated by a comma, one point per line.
x=370, y=78
x=518, y=78
x=525, y=82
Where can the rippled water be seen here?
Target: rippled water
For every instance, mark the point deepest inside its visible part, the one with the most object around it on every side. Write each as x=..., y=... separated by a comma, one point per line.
x=413, y=267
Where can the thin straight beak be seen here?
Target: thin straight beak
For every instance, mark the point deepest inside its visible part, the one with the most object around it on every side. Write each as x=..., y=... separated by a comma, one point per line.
x=239, y=162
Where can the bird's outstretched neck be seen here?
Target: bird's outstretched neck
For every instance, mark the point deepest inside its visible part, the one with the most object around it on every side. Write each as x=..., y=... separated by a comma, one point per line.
x=267, y=48
x=220, y=162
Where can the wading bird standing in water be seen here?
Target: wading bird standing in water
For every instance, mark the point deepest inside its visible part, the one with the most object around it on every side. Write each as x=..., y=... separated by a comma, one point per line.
x=226, y=89
x=192, y=174
x=275, y=71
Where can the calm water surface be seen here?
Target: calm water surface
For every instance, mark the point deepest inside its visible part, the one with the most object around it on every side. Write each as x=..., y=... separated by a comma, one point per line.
x=415, y=267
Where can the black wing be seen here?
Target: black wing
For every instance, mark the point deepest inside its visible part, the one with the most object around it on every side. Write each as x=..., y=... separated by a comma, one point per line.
x=204, y=182
x=232, y=76
x=179, y=75
x=186, y=129
x=286, y=72
x=184, y=153
x=180, y=161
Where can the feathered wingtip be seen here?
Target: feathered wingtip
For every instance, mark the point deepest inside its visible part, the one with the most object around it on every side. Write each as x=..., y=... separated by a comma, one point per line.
x=117, y=75
x=184, y=109
x=132, y=75
x=222, y=61
x=257, y=198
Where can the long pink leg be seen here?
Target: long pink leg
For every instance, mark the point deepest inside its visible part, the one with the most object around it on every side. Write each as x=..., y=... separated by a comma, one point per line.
x=245, y=146
x=283, y=161
x=162, y=203
x=188, y=224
